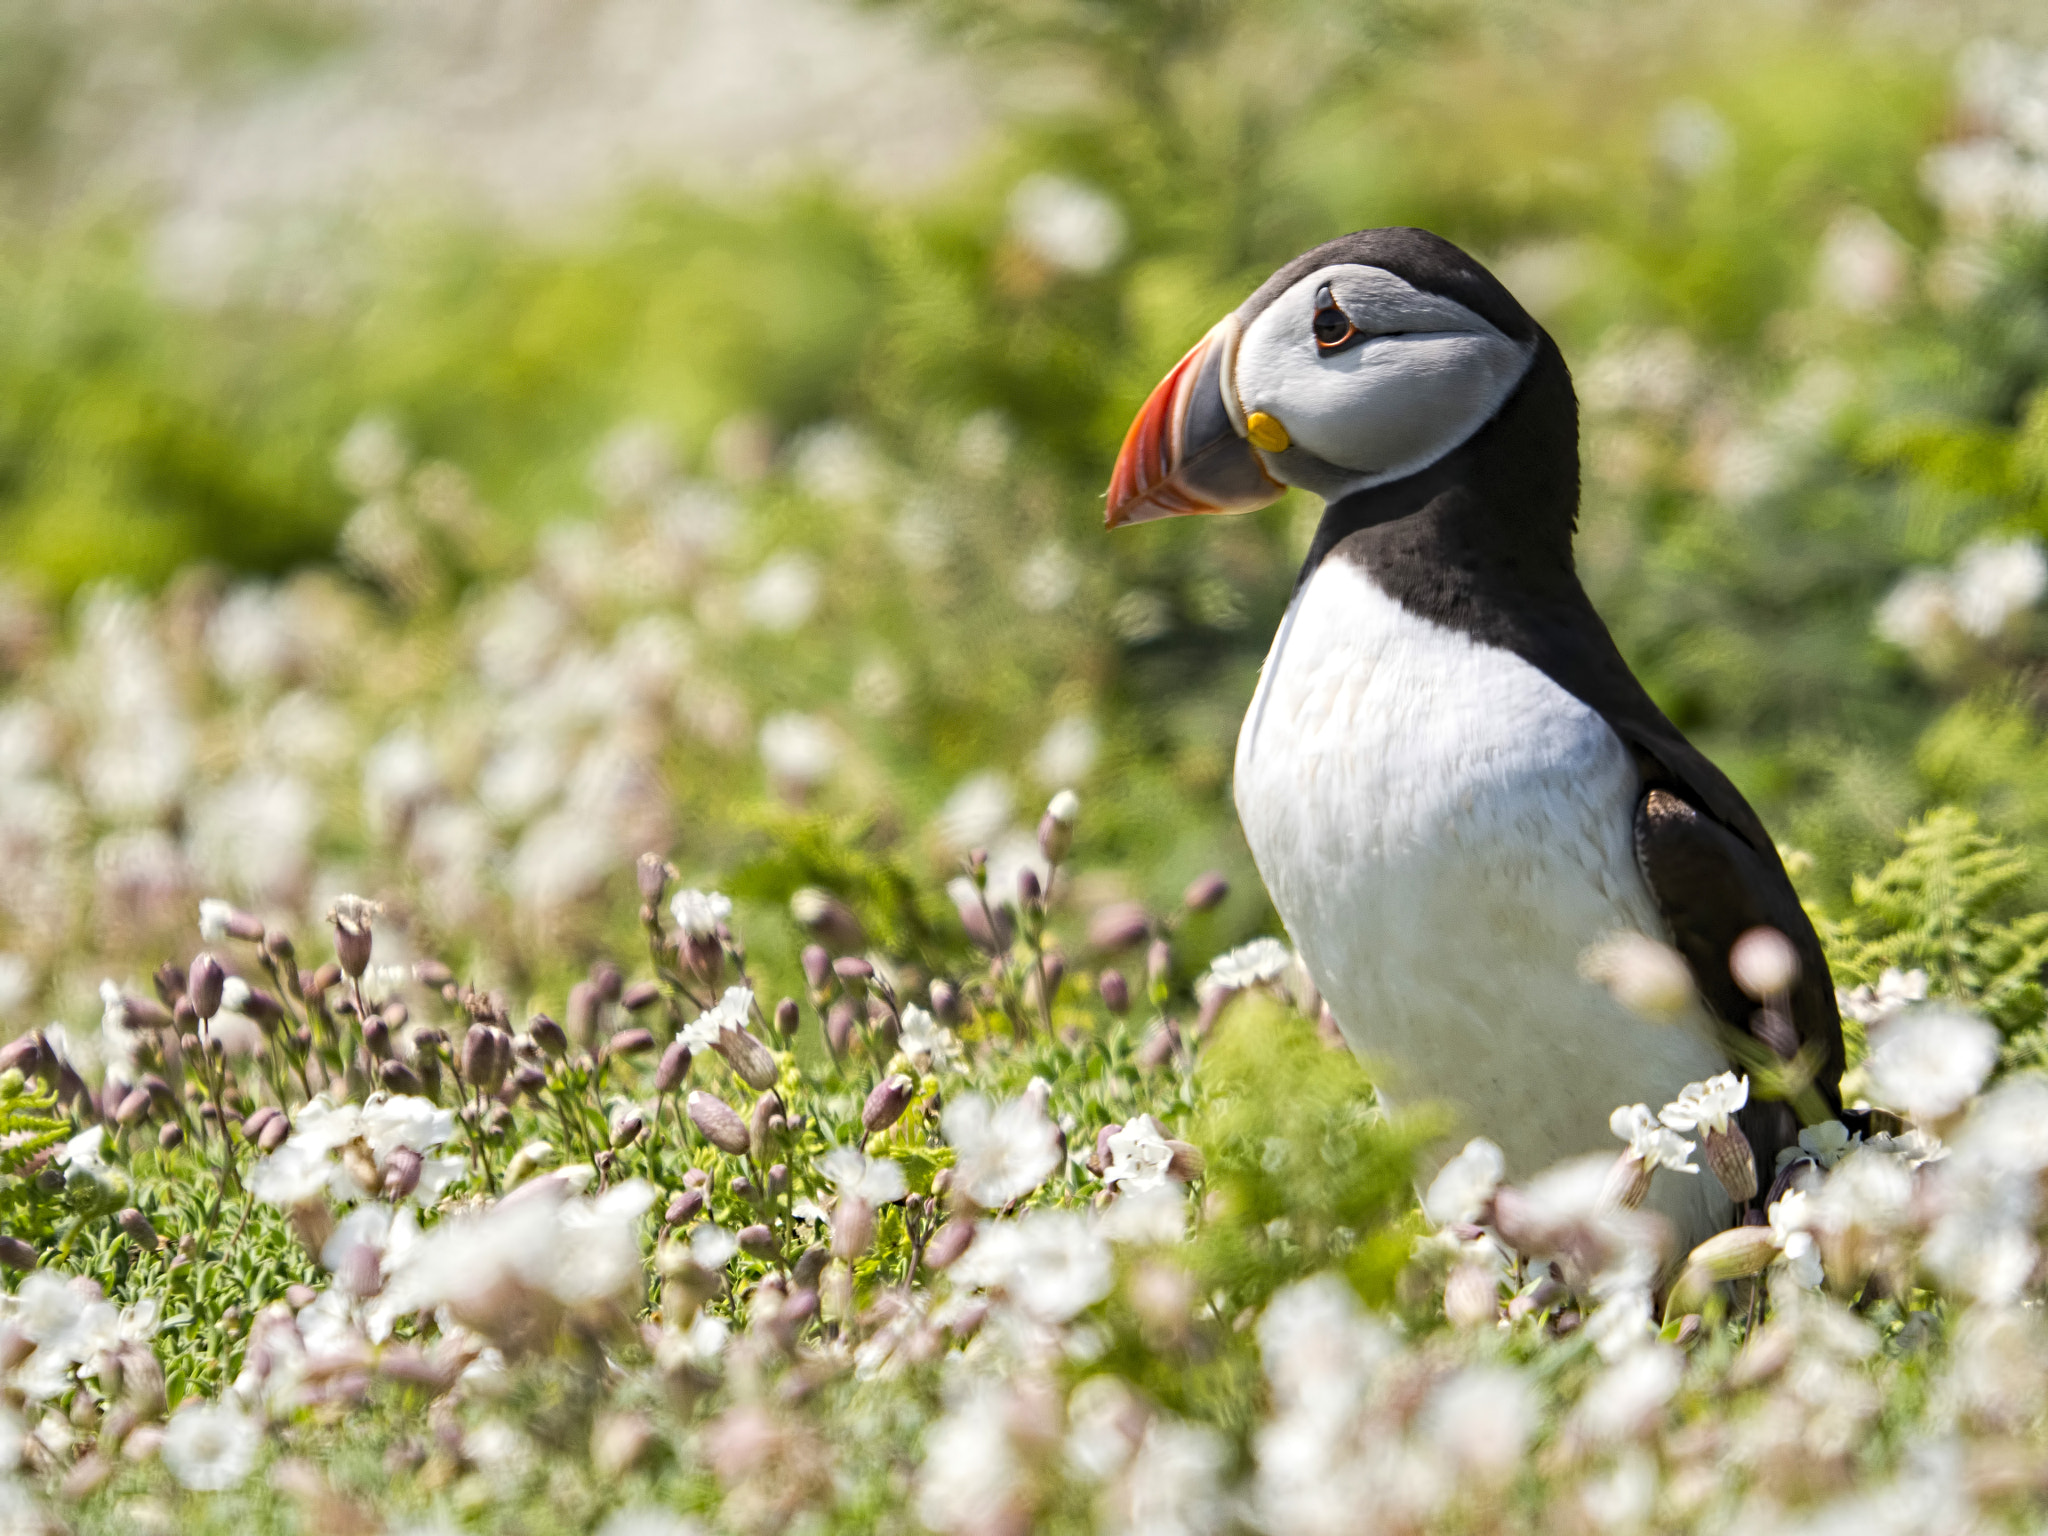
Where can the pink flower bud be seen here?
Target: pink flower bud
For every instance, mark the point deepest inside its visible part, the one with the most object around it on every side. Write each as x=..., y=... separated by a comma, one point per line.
x=684, y=1207
x=136, y=1228
x=397, y=1077
x=948, y=1243
x=16, y=1254
x=606, y=981
x=1115, y=992
x=674, y=1067
x=654, y=873
x=749, y=1059
x=787, y=1018
x=718, y=1121
x=1733, y=1162
x=203, y=984
x=1764, y=963
x=758, y=1241
x=945, y=1001
x=885, y=1105
x=170, y=1137
x=402, y=1173
x=548, y=1035
x=630, y=1042
x=1207, y=891
x=641, y=996
x=273, y=1135
x=352, y=918
x=817, y=966
x=853, y=1228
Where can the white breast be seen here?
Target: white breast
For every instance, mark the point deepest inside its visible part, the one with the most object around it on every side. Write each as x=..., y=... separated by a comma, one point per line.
x=1444, y=831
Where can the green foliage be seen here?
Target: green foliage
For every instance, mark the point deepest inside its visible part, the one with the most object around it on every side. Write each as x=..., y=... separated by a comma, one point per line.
x=1953, y=903
x=29, y=1125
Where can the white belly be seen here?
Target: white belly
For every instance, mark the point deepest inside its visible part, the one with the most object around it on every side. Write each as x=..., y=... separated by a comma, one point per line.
x=1444, y=831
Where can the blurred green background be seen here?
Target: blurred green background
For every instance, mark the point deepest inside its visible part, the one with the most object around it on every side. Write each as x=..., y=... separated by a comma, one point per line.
x=445, y=450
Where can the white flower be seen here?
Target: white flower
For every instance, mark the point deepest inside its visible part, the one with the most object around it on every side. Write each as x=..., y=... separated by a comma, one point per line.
x=1463, y=1185
x=1066, y=223
x=730, y=1012
x=1067, y=751
x=1248, y=965
x=1799, y=1256
x=1649, y=979
x=977, y=810
x=83, y=1151
x=798, y=749
x=1863, y=264
x=1918, y=613
x=1995, y=579
x=1482, y=1418
x=1051, y=1264
x=1173, y=1485
x=649, y=1520
x=214, y=915
x=1895, y=990
x=1824, y=1143
x=1706, y=1106
x=1625, y=1399
x=712, y=1246
x=875, y=1180
x=1930, y=1061
x=391, y=1121
x=1649, y=1143
x=972, y=1475
x=698, y=913
x=1000, y=1153
x=929, y=1044
x=1139, y=1156
x=211, y=1447
x=1065, y=808
x=783, y=594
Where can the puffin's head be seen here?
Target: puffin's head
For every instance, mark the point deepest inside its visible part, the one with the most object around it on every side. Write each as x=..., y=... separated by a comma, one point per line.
x=1359, y=363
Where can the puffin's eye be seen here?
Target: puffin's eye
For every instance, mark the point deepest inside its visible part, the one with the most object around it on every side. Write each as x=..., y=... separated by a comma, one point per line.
x=1332, y=327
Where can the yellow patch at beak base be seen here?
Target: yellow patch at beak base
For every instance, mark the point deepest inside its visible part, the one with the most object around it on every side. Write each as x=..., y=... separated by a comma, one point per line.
x=1266, y=433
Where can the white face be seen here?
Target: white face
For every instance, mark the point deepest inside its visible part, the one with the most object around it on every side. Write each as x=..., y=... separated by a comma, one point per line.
x=1416, y=375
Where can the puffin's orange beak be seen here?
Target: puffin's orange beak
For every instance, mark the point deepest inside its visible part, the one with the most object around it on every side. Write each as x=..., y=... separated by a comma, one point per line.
x=1187, y=452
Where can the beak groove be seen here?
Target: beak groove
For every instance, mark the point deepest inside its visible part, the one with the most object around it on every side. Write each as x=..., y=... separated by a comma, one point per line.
x=1186, y=453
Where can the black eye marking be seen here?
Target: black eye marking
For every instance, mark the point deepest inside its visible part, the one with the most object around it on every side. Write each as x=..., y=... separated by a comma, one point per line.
x=1333, y=329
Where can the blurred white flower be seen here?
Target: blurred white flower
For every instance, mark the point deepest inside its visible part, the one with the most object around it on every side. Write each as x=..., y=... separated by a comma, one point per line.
x=515, y=636
x=399, y=775
x=1051, y=1264
x=1140, y=1156
x=783, y=594
x=1248, y=965
x=255, y=832
x=633, y=463
x=1918, y=614
x=648, y=1520
x=1482, y=1418
x=250, y=639
x=1656, y=374
x=1692, y=138
x=372, y=457
x=928, y=1043
x=713, y=1246
x=1464, y=1185
x=698, y=913
x=836, y=462
x=984, y=443
x=1825, y=1143
x=1001, y=1153
x=1862, y=267
x=1929, y=1061
x=876, y=1180
x=211, y=1447
x=878, y=688
x=1646, y=977
x=1706, y=1106
x=1995, y=579
x=1895, y=991
x=1173, y=1484
x=1066, y=223
x=973, y=1478
x=1627, y=1397
x=1047, y=577
x=1067, y=751
x=798, y=750
x=17, y=984
x=979, y=808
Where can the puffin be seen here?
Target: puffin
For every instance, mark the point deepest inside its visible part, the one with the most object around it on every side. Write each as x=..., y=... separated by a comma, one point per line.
x=1451, y=782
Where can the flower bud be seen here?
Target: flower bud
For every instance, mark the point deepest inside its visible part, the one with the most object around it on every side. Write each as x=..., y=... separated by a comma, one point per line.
x=684, y=1207
x=1207, y=891
x=641, y=996
x=627, y=1131
x=1471, y=1297
x=853, y=1228
x=203, y=984
x=1056, y=827
x=673, y=1068
x=828, y=919
x=280, y=950
x=352, y=918
x=885, y=1105
x=377, y=1037
x=1627, y=1184
x=273, y=1135
x=1734, y=1254
x=750, y=1060
x=1733, y=1161
x=630, y=1042
x=483, y=1069
x=1158, y=963
x=582, y=1011
x=1187, y=1163
x=133, y=1106
x=402, y=1172
x=778, y=1181
x=757, y=1241
x=22, y=1054
x=654, y=873
x=1764, y=963
x=817, y=966
x=16, y=1254
x=839, y=1026
x=718, y=1122
x=853, y=970
x=1029, y=893
x=767, y=1127
x=1115, y=992
x=320, y=982
x=264, y=1008
x=548, y=1035
x=397, y=1077
x=136, y=1228
x=945, y=1000
x=170, y=1137
x=948, y=1243
x=606, y=981
x=787, y=1018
